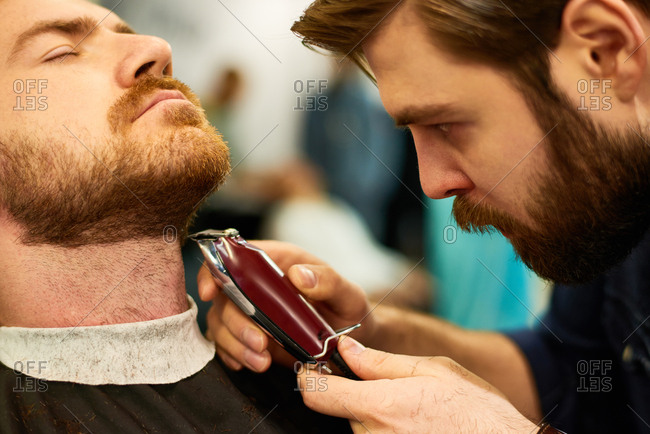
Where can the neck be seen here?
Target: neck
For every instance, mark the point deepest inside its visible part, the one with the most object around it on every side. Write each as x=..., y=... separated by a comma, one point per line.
x=49, y=286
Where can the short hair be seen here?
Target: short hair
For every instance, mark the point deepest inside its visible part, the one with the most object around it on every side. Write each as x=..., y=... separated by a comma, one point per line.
x=513, y=35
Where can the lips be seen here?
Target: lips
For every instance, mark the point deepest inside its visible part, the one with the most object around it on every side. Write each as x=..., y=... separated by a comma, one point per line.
x=160, y=96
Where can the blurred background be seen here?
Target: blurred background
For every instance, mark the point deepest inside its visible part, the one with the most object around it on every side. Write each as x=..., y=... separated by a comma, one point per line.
x=317, y=162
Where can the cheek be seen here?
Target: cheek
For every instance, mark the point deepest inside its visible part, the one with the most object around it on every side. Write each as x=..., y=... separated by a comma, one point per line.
x=77, y=102
x=506, y=167
x=19, y=101
x=61, y=111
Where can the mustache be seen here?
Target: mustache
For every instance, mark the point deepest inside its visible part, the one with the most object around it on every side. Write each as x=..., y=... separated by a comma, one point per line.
x=127, y=106
x=482, y=218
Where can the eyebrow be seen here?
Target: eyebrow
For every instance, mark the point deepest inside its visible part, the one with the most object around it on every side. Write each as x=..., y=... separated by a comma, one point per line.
x=425, y=113
x=81, y=26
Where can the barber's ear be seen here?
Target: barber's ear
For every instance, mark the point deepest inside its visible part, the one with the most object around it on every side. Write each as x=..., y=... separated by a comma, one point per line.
x=607, y=39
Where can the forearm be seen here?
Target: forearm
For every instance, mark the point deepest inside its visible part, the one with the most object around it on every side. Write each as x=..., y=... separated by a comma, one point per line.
x=489, y=355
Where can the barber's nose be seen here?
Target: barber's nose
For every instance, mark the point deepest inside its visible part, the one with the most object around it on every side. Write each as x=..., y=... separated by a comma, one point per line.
x=144, y=55
x=440, y=175
x=448, y=184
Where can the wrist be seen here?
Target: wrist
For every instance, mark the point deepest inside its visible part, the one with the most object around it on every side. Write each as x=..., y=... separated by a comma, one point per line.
x=366, y=334
x=382, y=327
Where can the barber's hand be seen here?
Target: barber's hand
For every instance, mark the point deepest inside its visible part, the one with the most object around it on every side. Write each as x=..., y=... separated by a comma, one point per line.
x=241, y=343
x=410, y=394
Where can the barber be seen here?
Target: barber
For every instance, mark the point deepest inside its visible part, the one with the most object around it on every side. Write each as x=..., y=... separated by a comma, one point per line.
x=495, y=97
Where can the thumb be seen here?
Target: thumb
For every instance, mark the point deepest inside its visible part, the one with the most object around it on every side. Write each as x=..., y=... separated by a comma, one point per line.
x=371, y=364
x=303, y=277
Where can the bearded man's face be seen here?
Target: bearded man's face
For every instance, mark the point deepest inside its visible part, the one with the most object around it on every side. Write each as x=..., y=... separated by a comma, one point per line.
x=98, y=143
x=591, y=207
x=570, y=192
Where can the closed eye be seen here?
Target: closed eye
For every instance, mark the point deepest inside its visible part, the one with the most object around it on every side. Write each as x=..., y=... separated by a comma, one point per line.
x=59, y=54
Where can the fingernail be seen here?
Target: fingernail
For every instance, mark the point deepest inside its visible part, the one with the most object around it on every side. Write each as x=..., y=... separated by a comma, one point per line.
x=253, y=339
x=255, y=361
x=352, y=346
x=307, y=277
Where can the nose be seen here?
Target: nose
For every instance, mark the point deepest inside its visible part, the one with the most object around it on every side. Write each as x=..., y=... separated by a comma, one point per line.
x=440, y=174
x=143, y=55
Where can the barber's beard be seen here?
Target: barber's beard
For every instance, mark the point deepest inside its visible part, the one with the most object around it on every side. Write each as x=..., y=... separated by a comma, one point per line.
x=590, y=207
x=128, y=189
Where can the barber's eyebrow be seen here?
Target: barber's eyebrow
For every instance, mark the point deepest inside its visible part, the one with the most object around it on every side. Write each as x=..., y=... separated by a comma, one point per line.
x=425, y=113
x=81, y=26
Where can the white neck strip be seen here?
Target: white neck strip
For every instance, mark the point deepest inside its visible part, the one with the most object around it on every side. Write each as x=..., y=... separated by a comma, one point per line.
x=161, y=351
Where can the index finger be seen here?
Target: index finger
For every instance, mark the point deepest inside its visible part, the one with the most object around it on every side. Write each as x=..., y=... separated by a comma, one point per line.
x=208, y=288
x=360, y=401
x=329, y=394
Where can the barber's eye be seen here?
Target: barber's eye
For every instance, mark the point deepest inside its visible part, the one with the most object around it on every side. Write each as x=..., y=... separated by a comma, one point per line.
x=59, y=54
x=445, y=128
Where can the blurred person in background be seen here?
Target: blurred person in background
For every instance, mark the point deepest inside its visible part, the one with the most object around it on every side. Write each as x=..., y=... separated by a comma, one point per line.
x=365, y=160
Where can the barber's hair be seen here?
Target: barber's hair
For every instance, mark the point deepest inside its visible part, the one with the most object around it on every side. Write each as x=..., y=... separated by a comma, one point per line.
x=513, y=35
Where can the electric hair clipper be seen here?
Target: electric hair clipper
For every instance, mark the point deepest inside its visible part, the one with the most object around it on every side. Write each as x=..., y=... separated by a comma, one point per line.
x=260, y=289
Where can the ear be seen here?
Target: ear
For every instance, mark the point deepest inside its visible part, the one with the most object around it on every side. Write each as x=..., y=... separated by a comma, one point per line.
x=608, y=42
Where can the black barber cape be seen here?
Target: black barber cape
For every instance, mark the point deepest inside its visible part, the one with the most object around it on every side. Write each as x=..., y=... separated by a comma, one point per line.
x=214, y=400
x=158, y=376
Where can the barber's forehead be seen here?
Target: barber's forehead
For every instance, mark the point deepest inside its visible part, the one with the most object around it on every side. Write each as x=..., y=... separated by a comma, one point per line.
x=17, y=16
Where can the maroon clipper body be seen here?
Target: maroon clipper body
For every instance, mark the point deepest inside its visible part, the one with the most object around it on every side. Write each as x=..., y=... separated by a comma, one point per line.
x=261, y=290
